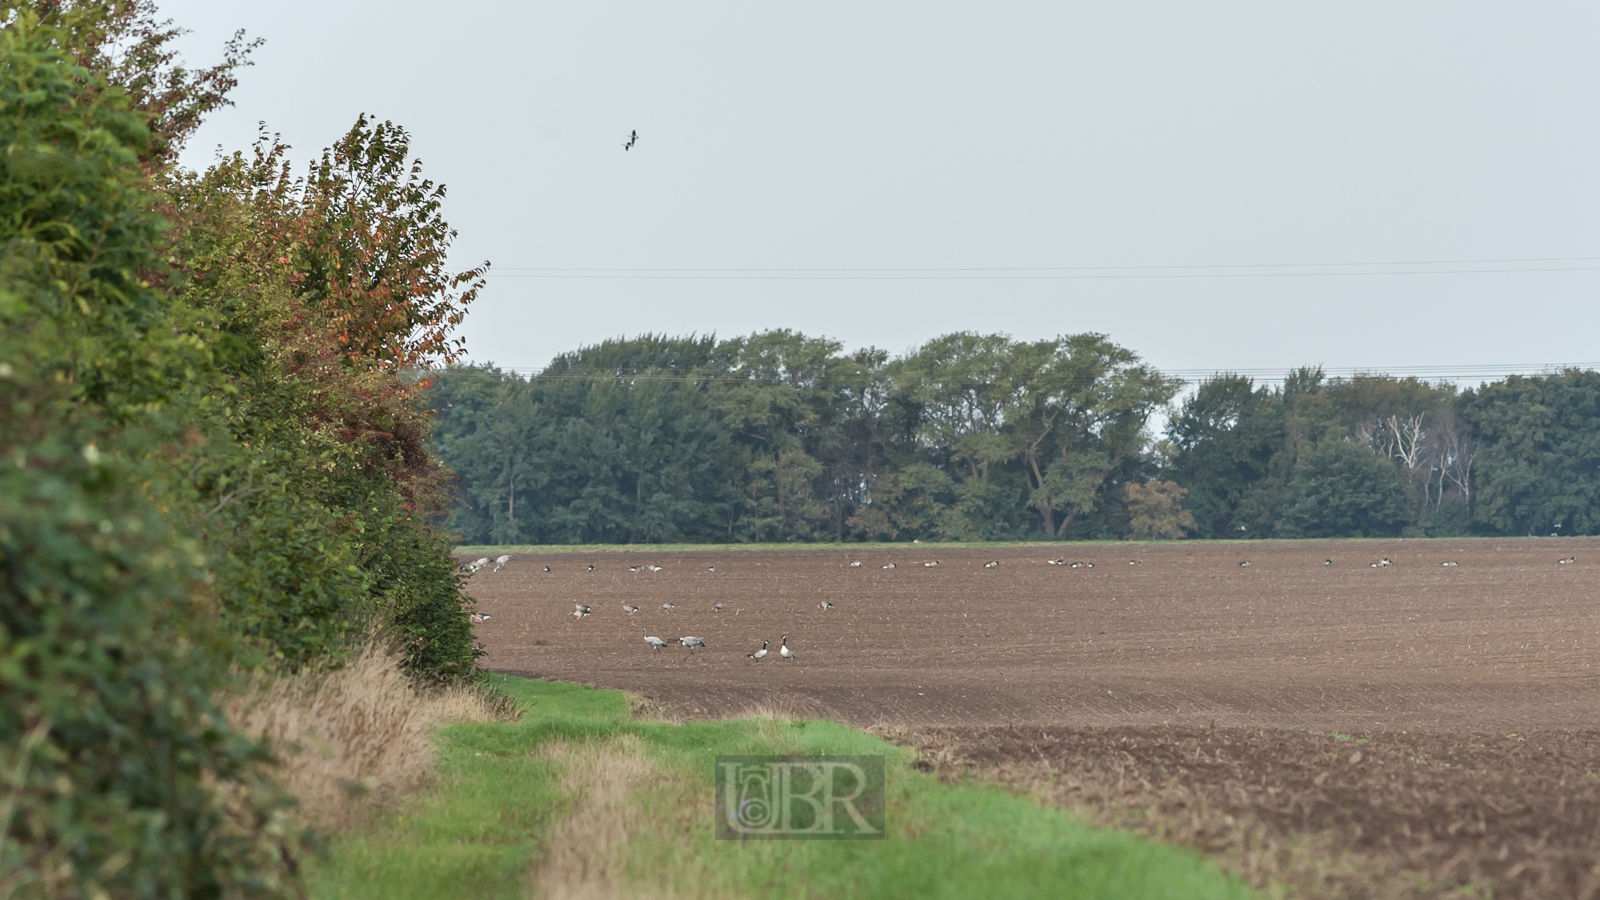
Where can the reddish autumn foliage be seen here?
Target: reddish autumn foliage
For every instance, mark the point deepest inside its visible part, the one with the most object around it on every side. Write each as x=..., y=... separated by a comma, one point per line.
x=342, y=277
x=375, y=252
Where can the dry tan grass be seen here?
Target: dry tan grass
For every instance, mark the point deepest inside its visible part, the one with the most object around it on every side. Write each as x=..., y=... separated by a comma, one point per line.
x=645, y=707
x=775, y=710
x=354, y=738
x=632, y=830
x=585, y=858
x=773, y=721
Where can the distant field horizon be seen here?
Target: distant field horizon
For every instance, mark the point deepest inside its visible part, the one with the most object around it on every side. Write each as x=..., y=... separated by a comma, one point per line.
x=469, y=549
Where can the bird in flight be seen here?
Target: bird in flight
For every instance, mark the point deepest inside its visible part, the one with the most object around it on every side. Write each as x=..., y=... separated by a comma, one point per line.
x=632, y=139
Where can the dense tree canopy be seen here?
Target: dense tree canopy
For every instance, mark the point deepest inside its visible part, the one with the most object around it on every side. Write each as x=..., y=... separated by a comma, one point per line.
x=1538, y=471
x=779, y=436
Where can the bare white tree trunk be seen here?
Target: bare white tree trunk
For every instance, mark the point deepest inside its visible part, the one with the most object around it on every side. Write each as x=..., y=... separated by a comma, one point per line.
x=1456, y=452
x=1406, y=439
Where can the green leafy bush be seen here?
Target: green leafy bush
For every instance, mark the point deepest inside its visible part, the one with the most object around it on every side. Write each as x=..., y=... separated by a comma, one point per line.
x=123, y=779
x=133, y=785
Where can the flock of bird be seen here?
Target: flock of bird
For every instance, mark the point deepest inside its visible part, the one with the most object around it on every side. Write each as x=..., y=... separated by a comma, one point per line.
x=689, y=641
x=693, y=643
x=501, y=561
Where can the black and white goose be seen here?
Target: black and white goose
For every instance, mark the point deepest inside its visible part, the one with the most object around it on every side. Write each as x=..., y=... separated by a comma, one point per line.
x=693, y=643
x=1327, y=562
x=1244, y=563
x=718, y=607
x=855, y=563
x=591, y=567
x=1570, y=559
x=1058, y=561
x=889, y=566
x=931, y=563
x=581, y=611
x=992, y=564
x=669, y=607
x=636, y=568
x=1384, y=563
x=654, y=642
x=654, y=568
x=1135, y=562
x=759, y=654
x=783, y=649
x=500, y=563
x=629, y=608
x=478, y=618
x=1451, y=564
x=479, y=563
x=711, y=569
x=547, y=569
x=825, y=605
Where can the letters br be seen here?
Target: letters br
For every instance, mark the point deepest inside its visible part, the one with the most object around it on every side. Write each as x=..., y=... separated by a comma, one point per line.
x=800, y=798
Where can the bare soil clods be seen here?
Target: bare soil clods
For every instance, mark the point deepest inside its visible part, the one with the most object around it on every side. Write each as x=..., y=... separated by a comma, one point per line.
x=1220, y=693
x=1329, y=815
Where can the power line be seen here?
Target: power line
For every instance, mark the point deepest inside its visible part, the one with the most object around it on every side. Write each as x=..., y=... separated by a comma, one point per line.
x=1129, y=277
x=1053, y=273
x=1187, y=376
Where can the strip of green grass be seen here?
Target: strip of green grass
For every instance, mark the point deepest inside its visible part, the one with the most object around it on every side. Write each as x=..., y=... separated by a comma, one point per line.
x=497, y=549
x=863, y=547
x=479, y=830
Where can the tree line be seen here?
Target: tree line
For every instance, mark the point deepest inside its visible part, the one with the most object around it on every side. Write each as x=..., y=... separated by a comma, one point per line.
x=779, y=436
x=213, y=461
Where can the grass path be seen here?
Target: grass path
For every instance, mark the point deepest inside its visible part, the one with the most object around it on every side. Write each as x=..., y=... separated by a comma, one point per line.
x=578, y=799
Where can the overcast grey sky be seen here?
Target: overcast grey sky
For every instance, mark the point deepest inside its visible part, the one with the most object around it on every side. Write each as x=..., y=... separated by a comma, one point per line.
x=934, y=136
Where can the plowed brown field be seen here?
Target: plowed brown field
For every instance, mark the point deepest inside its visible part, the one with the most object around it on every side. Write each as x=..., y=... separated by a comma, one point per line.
x=1416, y=729
x=1508, y=640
